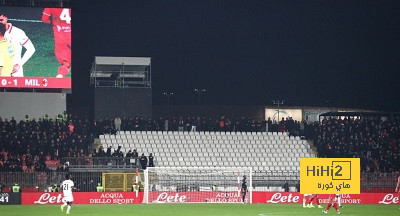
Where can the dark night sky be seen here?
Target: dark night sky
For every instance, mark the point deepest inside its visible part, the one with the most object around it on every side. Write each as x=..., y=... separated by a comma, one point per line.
x=250, y=51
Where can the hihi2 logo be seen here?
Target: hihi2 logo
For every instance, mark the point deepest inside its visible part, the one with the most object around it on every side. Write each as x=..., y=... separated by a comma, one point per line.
x=329, y=175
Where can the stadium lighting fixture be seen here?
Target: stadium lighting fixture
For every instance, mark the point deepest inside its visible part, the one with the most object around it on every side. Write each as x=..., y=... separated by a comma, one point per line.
x=168, y=94
x=199, y=91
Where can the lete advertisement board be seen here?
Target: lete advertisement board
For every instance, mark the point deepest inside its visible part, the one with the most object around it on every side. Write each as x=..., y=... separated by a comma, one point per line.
x=196, y=197
x=187, y=197
x=292, y=198
x=82, y=198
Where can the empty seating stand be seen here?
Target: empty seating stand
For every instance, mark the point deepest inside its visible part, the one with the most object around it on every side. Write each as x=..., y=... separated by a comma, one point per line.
x=270, y=152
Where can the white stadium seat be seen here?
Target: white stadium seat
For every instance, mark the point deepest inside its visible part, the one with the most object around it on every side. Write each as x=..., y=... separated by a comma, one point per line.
x=265, y=152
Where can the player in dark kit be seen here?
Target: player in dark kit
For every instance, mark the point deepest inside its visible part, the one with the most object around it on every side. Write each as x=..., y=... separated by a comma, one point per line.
x=244, y=188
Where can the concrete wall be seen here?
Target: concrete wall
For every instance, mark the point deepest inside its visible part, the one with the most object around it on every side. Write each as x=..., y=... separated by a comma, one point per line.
x=215, y=111
x=110, y=102
x=36, y=105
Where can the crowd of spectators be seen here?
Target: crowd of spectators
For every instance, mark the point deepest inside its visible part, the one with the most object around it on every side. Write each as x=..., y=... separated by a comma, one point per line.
x=374, y=141
x=103, y=157
x=28, y=144
x=246, y=124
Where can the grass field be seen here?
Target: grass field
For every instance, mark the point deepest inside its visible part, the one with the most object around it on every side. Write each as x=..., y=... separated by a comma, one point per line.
x=43, y=63
x=197, y=209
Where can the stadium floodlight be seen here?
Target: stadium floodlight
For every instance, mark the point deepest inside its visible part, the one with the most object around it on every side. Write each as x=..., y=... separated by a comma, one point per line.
x=168, y=94
x=199, y=91
x=197, y=185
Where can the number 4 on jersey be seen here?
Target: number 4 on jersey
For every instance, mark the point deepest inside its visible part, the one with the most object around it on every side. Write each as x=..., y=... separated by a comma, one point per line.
x=65, y=16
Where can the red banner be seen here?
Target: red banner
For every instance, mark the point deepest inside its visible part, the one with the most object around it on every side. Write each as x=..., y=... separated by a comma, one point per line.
x=196, y=197
x=291, y=198
x=190, y=197
x=267, y=197
x=82, y=198
x=35, y=82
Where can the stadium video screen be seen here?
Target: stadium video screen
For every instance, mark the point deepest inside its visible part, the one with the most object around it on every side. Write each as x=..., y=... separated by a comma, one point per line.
x=36, y=49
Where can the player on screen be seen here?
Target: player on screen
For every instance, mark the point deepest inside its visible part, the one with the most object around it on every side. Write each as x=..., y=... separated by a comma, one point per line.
x=332, y=201
x=314, y=196
x=67, y=187
x=6, y=54
x=18, y=39
x=398, y=187
x=60, y=18
x=244, y=188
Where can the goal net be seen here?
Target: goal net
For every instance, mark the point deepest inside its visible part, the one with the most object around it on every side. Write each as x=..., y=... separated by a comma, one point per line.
x=197, y=185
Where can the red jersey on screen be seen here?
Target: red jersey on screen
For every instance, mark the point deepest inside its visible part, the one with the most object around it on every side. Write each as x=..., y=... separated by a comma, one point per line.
x=60, y=18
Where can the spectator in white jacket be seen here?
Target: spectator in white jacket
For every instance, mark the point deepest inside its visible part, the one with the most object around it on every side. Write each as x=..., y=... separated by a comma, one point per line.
x=117, y=122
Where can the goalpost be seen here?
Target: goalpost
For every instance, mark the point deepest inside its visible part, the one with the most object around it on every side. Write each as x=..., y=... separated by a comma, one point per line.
x=196, y=184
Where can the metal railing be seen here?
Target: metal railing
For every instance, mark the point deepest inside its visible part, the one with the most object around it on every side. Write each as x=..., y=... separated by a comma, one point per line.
x=87, y=181
x=378, y=182
x=101, y=163
x=279, y=179
x=41, y=181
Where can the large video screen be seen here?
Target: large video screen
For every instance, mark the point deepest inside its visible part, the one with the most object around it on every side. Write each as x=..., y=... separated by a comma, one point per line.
x=35, y=50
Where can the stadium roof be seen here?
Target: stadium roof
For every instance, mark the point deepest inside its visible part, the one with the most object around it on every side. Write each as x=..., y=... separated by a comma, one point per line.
x=364, y=114
x=137, y=61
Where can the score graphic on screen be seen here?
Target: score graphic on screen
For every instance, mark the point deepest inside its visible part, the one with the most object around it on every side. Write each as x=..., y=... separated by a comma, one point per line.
x=38, y=48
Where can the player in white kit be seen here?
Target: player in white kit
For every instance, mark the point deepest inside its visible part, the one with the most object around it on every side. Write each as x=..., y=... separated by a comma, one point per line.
x=18, y=39
x=338, y=200
x=67, y=187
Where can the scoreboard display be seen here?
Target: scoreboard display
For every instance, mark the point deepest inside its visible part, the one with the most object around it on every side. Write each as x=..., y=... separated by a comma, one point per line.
x=10, y=198
x=37, y=51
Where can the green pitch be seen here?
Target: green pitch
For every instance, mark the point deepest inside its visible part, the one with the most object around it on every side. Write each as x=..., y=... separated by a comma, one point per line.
x=43, y=63
x=197, y=209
